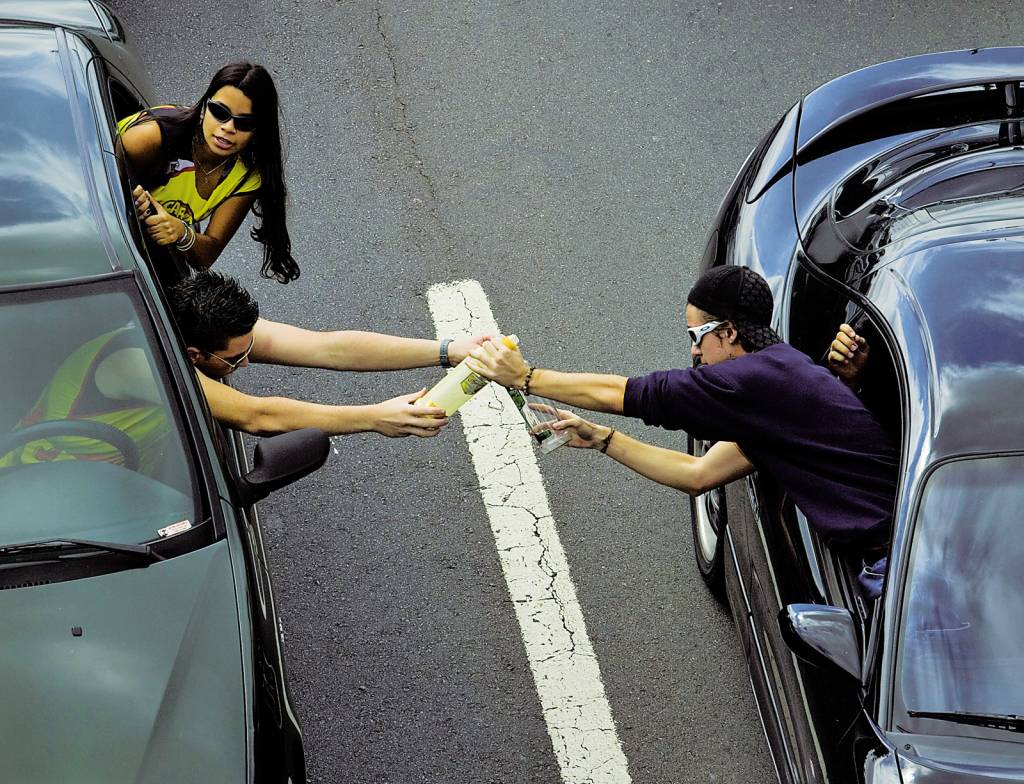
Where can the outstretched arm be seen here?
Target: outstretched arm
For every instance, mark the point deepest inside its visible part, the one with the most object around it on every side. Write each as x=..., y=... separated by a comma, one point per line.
x=723, y=463
x=264, y=416
x=284, y=344
x=506, y=366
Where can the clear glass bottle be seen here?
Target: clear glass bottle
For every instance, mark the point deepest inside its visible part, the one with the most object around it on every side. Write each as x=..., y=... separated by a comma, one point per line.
x=537, y=412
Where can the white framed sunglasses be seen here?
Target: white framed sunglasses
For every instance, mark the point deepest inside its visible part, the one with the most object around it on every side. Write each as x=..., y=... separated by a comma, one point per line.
x=697, y=333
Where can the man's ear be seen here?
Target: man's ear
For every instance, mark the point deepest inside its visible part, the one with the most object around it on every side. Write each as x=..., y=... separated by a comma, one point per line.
x=194, y=354
x=731, y=335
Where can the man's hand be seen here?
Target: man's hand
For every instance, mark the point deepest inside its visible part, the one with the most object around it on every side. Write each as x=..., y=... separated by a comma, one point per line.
x=398, y=417
x=497, y=362
x=848, y=355
x=584, y=434
x=162, y=227
x=459, y=348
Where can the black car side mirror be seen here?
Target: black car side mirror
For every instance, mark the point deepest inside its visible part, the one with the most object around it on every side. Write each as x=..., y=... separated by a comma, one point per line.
x=281, y=460
x=822, y=635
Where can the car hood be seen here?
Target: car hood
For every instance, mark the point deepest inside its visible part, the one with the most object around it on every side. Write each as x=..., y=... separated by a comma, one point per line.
x=150, y=690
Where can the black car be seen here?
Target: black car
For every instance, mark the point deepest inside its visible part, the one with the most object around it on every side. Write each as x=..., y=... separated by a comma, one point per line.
x=892, y=199
x=141, y=642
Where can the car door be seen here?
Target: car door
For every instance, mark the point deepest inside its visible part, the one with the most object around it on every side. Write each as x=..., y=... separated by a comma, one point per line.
x=811, y=707
x=279, y=740
x=789, y=564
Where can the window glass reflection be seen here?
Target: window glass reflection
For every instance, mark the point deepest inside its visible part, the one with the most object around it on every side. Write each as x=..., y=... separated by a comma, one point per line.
x=962, y=638
x=89, y=444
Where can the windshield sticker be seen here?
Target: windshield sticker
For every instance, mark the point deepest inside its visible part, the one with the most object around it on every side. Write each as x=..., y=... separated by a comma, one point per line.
x=175, y=528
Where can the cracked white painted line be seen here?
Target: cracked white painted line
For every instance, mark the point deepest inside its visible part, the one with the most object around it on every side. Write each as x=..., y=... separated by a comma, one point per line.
x=565, y=669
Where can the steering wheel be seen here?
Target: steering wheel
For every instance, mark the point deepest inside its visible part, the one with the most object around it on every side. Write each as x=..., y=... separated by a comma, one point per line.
x=82, y=428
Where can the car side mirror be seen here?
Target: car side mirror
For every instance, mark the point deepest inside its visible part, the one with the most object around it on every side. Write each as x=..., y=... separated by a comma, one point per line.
x=822, y=635
x=281, y=460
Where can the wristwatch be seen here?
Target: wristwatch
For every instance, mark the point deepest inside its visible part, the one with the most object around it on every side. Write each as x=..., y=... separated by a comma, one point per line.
x=443, y=352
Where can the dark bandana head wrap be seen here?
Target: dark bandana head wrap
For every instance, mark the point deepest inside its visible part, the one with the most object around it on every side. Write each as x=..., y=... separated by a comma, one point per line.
x=741, y=296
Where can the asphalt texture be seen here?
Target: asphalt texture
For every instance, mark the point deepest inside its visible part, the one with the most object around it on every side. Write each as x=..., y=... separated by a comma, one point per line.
x=569, y=156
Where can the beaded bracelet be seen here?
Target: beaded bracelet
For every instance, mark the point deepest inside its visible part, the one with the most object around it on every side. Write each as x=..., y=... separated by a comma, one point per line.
x=529, y=375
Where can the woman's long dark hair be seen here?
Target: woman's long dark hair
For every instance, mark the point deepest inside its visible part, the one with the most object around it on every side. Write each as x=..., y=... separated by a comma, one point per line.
x=263, y=153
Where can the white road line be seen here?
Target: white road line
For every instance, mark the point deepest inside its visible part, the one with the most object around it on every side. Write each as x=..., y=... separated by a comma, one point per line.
x=565, y=669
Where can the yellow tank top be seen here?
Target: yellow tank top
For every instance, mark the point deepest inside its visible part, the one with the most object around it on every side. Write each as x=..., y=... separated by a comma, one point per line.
x=67, y=397
x=179, y=195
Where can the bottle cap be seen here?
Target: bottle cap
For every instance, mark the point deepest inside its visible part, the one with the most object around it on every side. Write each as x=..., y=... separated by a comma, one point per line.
x=510, y=341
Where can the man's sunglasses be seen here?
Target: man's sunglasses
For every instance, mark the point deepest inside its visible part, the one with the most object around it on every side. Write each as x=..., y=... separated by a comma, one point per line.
x=697, y=333
x=246, y=123
x=237, y=359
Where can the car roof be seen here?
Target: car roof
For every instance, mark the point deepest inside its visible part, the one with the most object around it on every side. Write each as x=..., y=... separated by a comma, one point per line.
x=76, y=14
x=958, y=310
x=55, y=206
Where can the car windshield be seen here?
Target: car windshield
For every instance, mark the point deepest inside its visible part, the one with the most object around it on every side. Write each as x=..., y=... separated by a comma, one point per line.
x=89, y=446
x=962, y=640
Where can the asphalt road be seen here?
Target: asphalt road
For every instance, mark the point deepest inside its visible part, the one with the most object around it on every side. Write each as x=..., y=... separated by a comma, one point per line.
x=569, y=156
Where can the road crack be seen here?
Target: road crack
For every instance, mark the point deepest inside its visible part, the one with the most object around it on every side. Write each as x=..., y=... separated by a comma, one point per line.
x=406, y=128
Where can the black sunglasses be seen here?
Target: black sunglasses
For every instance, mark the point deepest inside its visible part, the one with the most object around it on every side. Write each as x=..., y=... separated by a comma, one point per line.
x=246, y=123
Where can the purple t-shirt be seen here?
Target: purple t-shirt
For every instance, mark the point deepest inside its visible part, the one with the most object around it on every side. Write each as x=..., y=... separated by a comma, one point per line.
x=794, y=421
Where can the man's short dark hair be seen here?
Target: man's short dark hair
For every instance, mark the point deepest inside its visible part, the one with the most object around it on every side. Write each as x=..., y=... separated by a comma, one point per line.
x=211, y=309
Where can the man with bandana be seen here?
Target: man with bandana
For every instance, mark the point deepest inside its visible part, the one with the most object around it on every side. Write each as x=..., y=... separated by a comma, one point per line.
x=767, y=406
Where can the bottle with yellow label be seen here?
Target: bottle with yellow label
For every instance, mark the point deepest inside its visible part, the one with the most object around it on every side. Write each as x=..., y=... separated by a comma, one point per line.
x=456, y=388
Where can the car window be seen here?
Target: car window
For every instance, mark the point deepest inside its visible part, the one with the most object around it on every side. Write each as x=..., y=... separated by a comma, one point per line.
x=90, y=446
x=961, y=645
x=817, y=310
x=123, y=99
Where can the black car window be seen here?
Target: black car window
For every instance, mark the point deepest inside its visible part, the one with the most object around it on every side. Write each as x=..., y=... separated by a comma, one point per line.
x=169, y=266
x=961, y=642
x=119, y=100
x=123, y=100
x=90, y=444
x=817, y=310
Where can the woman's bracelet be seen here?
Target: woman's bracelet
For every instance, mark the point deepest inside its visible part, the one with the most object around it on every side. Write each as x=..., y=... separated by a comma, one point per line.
x=607, y=440
x=191, y=239
x=188, y=239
